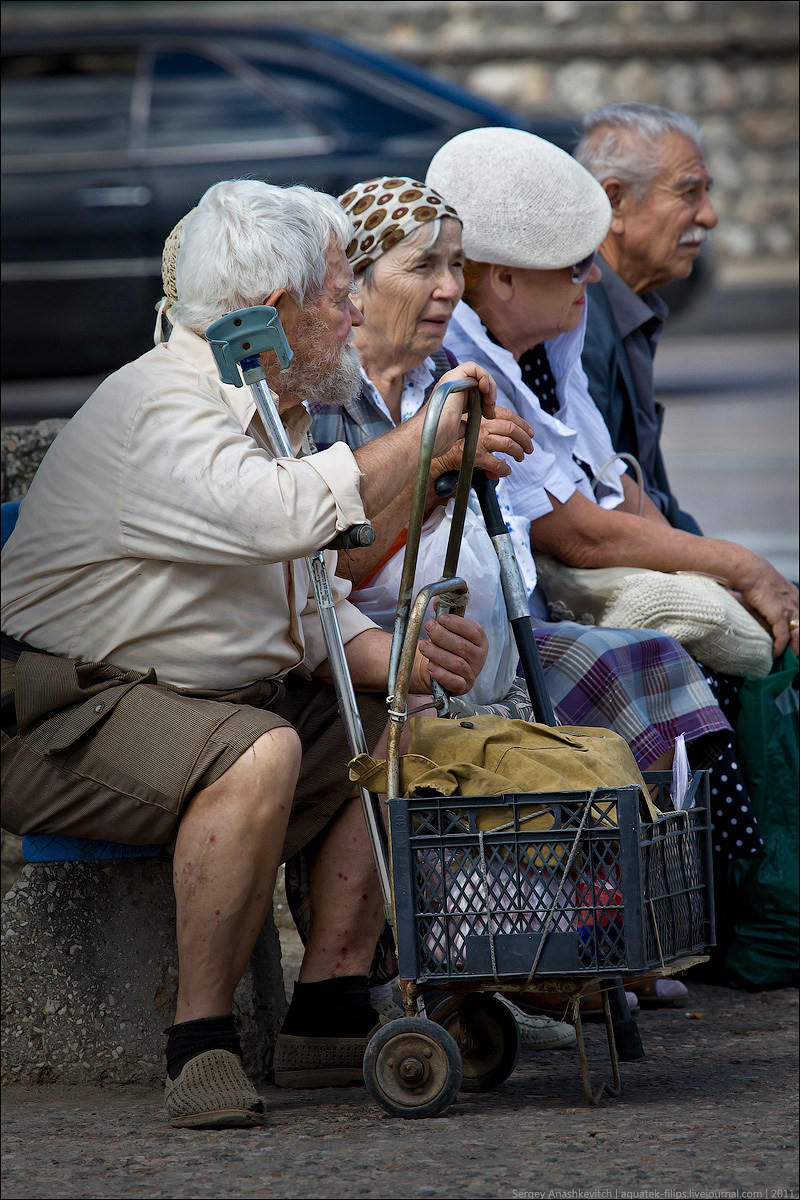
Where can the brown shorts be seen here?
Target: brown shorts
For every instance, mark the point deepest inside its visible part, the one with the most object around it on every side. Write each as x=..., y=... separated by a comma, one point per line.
x=121, y=762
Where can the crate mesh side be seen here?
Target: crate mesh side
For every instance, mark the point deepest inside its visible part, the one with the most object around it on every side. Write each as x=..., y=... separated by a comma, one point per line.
x=507, y=880
x=675, y=886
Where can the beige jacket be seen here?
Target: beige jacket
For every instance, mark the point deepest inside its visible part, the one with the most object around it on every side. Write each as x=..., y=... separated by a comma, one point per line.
x=161, y=532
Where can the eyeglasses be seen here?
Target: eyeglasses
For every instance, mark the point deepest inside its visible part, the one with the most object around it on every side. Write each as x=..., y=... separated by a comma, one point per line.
x=582, y=270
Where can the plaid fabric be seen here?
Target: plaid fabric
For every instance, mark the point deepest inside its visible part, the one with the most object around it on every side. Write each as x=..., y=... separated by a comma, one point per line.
x=640, y=683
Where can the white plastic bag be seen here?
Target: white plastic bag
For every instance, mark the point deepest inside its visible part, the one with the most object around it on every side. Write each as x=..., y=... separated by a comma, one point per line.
x=478, y=565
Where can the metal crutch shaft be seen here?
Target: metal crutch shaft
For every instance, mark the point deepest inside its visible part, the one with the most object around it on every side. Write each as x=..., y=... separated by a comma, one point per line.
x=240, y=338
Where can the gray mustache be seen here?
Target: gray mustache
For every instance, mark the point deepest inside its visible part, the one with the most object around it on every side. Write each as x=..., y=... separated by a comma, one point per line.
x=693, y=236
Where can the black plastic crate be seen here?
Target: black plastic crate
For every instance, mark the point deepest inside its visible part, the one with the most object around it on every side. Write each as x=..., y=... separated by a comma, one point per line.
x=474, y=902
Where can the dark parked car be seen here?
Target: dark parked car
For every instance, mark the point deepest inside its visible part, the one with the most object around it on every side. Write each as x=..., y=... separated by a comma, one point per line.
x=110, y=137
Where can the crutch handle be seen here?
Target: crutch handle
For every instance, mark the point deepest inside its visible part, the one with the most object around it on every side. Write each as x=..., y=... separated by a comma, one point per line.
x=237, y=340
x=353, y=538
x=245, y=334
x=445, y=485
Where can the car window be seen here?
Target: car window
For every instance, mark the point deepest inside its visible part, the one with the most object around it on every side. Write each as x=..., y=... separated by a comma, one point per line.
x=62, y=103
x=346, y=97
x=196, y=101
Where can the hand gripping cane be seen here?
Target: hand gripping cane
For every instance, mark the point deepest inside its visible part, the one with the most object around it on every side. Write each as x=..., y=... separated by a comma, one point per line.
x=237, y=340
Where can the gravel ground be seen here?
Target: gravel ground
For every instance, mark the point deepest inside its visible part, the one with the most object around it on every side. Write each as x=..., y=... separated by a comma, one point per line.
x=710, y=1111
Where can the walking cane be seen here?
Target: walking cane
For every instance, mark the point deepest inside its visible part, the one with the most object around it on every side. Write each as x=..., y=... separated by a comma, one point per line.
x=237, y=340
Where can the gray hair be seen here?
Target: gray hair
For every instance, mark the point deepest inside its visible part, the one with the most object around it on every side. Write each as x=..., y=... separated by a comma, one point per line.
x=431, y=229
x=622, y=141
x=247, y=238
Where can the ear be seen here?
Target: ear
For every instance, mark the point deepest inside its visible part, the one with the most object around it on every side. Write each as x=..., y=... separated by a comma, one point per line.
x=277, y=298
x=286, y=308
x=502, y=280
x=618, y=195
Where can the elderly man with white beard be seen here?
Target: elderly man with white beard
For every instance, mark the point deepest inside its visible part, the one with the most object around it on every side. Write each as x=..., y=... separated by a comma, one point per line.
x=165, y=660
x=651, y=164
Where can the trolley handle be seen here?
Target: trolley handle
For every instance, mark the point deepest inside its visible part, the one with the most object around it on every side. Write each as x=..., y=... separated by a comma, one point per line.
x=417, y=516
x=451, y=590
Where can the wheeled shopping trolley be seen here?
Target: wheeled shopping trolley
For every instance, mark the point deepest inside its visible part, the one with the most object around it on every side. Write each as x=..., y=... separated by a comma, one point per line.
x=518, y=893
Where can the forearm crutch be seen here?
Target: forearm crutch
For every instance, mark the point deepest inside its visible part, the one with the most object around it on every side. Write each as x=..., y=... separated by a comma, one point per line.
x=237, y=340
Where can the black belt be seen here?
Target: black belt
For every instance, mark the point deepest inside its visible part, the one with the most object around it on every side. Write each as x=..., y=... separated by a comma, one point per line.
x=11, y=649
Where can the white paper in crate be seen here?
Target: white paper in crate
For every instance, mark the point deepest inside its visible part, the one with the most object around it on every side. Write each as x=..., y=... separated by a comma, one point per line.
x=489, y=904
x=478, y=565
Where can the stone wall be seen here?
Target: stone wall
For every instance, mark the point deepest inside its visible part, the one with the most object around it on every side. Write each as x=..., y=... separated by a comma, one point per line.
x=731, y=64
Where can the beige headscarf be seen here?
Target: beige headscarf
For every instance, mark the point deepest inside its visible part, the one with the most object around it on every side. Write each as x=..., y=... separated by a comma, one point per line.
x=169, y=258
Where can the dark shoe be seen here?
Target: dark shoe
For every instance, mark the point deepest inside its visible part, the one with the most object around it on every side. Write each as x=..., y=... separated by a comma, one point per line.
x=213, y=1092
x=304, y=1062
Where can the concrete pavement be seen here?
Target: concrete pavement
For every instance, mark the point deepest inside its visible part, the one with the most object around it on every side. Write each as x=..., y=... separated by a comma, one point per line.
x=709, y=1112
x=731, y=438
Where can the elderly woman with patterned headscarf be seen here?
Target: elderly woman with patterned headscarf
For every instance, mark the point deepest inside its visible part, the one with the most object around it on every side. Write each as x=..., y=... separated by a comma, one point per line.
x=408, y=261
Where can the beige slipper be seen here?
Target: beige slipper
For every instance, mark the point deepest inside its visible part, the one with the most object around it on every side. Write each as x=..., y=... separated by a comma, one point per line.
x=213, y=1092
x=302, y=1062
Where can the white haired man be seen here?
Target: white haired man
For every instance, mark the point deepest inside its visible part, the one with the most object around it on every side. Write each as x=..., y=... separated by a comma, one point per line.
x=167, y=662
x=651, y=164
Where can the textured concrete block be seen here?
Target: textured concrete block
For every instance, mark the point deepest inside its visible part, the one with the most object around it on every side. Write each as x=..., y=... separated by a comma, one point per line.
x=90, y=973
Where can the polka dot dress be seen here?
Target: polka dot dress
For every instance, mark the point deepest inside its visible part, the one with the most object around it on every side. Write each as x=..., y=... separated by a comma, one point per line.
x=735, y=827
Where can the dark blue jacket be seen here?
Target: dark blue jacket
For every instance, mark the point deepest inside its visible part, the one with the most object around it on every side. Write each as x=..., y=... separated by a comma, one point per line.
x=611, y=384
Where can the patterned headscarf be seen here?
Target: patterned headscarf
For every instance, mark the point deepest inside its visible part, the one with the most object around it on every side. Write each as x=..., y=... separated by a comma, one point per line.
x=384, y=211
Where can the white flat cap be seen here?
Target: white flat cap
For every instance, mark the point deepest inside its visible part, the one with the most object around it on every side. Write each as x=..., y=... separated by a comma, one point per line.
x=523, y=202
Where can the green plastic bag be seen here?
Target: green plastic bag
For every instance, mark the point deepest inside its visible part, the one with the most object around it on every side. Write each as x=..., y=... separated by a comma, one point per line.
x=761, y=946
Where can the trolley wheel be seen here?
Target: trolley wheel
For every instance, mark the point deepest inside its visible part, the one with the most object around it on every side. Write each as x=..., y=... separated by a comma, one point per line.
x=489, y=1042
x=412, y=1067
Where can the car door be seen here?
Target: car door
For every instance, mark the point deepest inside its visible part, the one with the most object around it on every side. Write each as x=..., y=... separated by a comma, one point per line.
x=74, y=209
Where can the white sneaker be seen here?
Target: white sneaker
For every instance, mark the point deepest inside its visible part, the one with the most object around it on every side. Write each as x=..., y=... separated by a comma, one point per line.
x=386, y=1000
x=541, y=1033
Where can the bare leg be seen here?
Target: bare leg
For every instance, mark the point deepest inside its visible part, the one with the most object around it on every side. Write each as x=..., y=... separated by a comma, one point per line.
x=346, y=907
x=226, y=858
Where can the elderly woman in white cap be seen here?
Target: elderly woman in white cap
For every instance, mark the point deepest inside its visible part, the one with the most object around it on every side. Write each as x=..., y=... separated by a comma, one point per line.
x=530, y=255
x=530, y=250
x=408, y=262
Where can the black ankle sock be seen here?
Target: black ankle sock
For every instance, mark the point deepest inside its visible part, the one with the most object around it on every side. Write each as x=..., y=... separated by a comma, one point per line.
x=190, y=1038
x=331, y=1008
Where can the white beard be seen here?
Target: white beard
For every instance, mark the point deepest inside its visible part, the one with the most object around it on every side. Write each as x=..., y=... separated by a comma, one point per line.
x=329, y=379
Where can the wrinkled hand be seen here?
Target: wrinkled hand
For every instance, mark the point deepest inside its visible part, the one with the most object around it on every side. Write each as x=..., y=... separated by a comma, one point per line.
x=454, y=655
x=450, y=425
x=775, y=599
x=506, y=433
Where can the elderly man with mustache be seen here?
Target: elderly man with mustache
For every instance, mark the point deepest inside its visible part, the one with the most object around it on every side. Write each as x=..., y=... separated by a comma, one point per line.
x=651, y=164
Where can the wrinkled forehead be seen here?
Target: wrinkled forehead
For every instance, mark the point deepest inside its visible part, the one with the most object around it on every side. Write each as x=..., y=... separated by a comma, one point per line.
x=443, y=236
x=682, y=161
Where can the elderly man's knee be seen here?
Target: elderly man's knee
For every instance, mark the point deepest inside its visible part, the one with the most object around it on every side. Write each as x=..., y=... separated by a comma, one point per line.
x=264, y=775
x=278, y=747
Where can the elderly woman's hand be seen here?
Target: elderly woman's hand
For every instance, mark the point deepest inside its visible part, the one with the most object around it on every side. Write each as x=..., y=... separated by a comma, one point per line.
x=454, y=655
x=775, y=599
x=450, y=425
x=507, y=433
